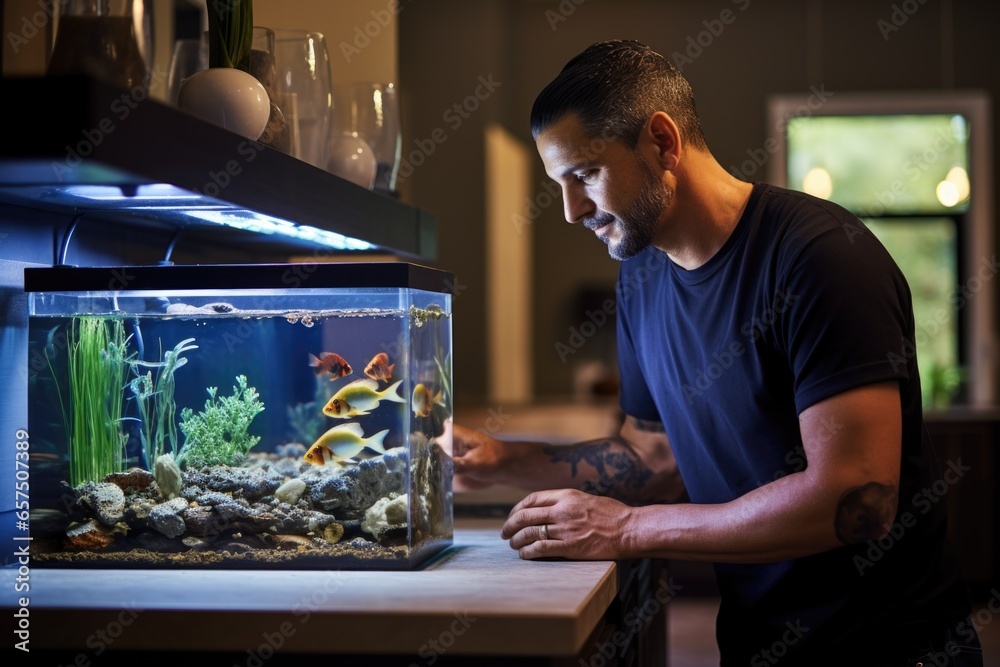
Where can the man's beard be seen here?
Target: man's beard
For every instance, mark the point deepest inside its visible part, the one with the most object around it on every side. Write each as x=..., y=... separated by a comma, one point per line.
x=638, y=224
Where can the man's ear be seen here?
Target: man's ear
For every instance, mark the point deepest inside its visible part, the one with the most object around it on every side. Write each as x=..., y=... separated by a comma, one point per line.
x=665, y=138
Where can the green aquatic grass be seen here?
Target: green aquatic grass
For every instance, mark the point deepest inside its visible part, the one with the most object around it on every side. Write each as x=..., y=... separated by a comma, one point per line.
x=445, y=378
x=98, y=365
x=56, y=381
x=155, y=399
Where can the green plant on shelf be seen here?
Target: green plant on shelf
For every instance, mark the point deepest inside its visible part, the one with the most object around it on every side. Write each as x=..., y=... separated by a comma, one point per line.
x=155, y=399
x=219, y=434
x=230, y=33
x=97, y=369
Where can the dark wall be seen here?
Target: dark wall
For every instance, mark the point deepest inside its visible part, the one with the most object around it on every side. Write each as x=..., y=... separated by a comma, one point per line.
x=767, y=47
x=444, y=48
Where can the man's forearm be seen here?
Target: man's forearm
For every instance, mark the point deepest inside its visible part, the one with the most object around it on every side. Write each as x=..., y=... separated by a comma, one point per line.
x=792, y=517
x=605, y=466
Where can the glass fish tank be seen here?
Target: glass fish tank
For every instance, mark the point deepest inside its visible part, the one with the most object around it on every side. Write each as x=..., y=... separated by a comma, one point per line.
x=289, y=416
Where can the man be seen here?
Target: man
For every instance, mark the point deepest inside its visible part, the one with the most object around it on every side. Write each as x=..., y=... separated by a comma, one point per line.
x=773, y=423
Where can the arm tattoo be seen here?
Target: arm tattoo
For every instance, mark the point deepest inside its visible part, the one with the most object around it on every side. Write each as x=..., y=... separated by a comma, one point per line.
x=865, y=513
x=648, y=425
x=618, y=468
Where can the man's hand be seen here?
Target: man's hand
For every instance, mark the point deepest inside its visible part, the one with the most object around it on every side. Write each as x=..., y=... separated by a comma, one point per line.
x=477, y=457
x=578, y=525
x=637, y=466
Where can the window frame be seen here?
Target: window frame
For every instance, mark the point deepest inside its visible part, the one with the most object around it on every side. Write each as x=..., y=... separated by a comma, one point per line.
x=977, y=318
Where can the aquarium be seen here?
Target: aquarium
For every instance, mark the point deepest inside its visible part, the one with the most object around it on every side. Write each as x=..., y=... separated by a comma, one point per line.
x=288, y=416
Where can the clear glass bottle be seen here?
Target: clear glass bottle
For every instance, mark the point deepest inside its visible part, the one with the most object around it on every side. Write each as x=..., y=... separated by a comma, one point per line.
x=277, y=134
x=98, y=38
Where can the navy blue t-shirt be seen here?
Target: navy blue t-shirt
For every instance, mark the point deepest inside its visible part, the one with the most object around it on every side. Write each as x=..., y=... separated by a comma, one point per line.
x=801, y=303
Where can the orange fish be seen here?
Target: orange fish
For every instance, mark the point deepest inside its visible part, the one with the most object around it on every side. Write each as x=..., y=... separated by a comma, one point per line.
x=331, y=363
x=379, y=367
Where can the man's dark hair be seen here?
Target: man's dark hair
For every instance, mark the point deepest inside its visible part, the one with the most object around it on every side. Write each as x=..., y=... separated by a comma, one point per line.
x=616, y=86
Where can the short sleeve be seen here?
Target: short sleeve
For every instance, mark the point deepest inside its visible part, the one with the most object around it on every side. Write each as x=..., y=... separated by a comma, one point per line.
x=844, y=310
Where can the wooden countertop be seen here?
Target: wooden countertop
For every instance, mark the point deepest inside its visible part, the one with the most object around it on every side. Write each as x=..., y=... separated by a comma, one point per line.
x=479, y=591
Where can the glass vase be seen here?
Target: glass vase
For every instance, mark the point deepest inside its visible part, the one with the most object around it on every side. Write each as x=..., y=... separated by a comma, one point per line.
x=305, y=92
x=98, y=38
x=277, y=134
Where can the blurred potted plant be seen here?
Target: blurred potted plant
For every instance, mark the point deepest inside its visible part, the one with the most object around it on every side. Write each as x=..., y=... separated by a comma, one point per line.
x=226, y=94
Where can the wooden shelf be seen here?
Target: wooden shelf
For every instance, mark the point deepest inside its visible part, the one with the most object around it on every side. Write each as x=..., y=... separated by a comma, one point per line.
x=505, y=606
x=76, y=131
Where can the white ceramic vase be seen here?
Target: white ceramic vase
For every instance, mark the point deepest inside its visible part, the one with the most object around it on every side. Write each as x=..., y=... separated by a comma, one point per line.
x=228, y=97
x=353, y=159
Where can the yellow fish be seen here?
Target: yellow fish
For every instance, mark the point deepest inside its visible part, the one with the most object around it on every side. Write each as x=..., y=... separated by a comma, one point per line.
x=343, y=442
x=423, y=401
x=359, y=397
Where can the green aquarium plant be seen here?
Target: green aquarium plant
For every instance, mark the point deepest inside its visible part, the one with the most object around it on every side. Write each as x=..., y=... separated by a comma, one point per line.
x=155, y=398
x=218, y=435
x=444, y=376
x=97, y=369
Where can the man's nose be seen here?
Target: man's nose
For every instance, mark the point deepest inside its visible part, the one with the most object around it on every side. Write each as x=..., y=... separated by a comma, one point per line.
x=576, y=206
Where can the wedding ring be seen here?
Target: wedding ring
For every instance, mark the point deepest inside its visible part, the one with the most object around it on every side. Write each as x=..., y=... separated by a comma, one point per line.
x=544, y=531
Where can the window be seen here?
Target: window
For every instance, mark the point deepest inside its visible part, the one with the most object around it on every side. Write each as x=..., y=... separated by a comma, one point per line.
x=915, y=168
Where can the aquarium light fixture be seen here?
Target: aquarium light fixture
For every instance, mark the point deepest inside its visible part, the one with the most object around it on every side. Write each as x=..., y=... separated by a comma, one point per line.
x=154, y=192
x=265, y=224
x=162, y=196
